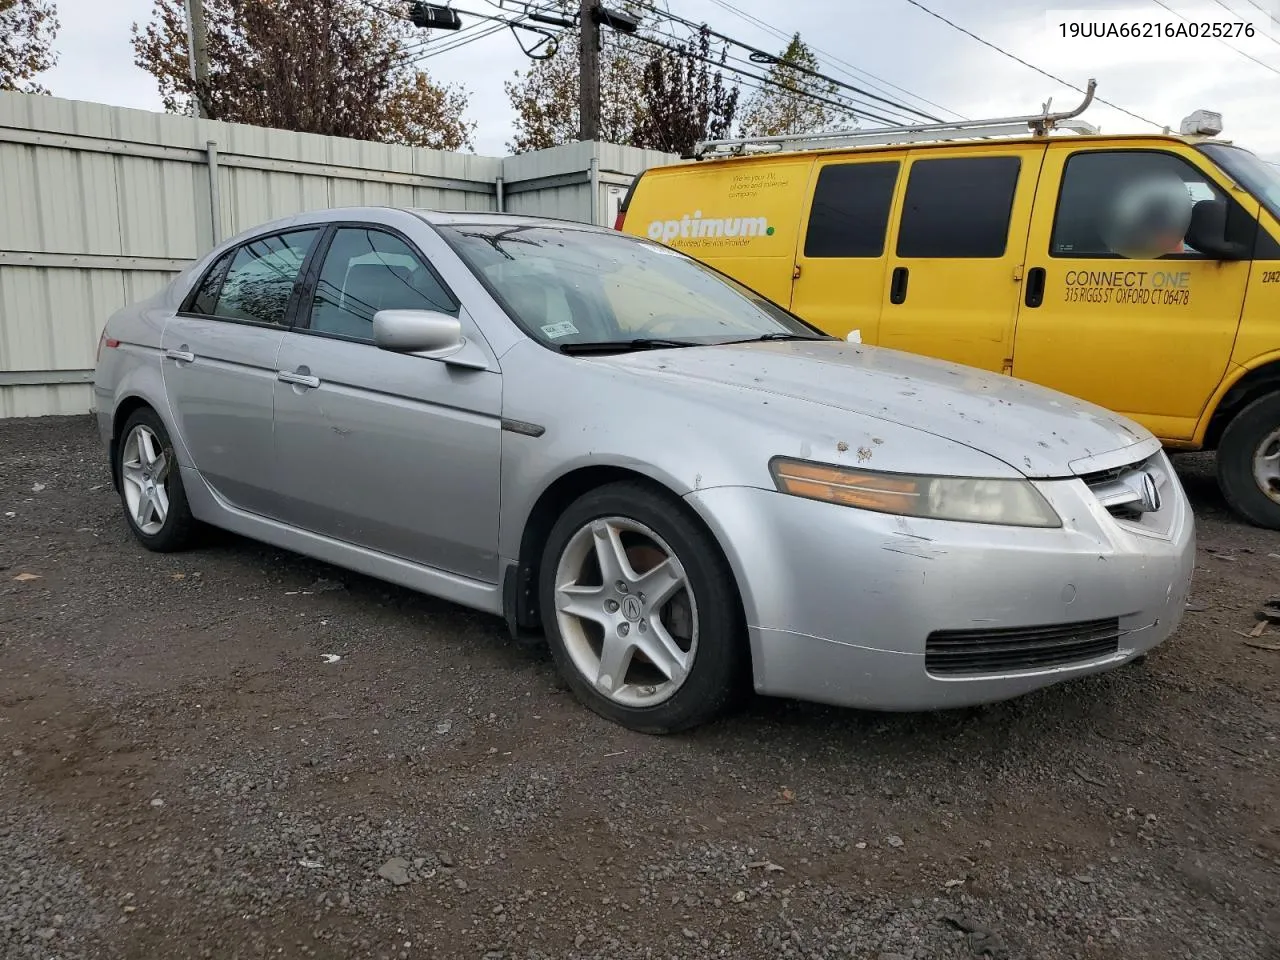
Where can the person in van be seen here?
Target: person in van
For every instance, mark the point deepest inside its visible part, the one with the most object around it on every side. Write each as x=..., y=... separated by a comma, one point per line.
x=1141, y=273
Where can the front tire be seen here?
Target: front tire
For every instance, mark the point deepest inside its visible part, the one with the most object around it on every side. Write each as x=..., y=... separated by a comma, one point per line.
x=1249, y=462
x=641, y=610
x=150, y=484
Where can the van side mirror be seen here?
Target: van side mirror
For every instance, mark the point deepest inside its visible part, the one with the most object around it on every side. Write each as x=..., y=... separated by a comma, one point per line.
x=1208, y=232
x=416, y=331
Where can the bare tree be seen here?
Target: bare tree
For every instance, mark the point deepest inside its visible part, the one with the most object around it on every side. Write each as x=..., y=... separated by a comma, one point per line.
x=335, y=67
x=27, y=32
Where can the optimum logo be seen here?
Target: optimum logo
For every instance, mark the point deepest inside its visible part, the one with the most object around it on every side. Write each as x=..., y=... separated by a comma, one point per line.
x=689, y=227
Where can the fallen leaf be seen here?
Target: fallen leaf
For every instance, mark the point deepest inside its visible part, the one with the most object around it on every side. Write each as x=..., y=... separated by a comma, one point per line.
x=179, y=576
x=788, y=796
x=26, y=577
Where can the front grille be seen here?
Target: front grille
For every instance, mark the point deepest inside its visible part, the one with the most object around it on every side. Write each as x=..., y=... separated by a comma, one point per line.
x=967, y=652
x=1116, y=490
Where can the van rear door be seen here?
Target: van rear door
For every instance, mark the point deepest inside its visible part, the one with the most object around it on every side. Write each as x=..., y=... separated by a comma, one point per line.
x=959, y=240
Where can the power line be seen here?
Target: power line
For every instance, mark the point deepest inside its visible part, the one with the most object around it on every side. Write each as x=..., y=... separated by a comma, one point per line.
x=849, y=105
x=764, y=79
x=1236, y=14
x=1030, y=66
x=1229, y=46
x=851, y=70
x=842, y=103
x=778, y=61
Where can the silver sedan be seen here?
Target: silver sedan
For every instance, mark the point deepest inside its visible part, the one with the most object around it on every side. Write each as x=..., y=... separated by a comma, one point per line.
x=684, y=488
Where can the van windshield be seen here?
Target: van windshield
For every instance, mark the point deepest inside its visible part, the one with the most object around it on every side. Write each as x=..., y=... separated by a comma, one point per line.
x=1260, y=178
x=569, y=288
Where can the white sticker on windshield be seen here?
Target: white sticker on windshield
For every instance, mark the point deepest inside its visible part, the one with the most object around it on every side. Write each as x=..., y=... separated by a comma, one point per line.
x=557, y=330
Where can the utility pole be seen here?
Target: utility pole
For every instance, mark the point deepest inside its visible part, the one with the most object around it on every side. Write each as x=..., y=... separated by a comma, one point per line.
x=589, y=70
x=198, y=51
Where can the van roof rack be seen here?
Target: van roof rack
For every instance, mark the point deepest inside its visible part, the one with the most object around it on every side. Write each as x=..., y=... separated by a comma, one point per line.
x=1038, y=124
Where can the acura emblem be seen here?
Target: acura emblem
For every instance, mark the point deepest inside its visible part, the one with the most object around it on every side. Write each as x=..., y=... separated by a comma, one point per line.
x=1149, y=492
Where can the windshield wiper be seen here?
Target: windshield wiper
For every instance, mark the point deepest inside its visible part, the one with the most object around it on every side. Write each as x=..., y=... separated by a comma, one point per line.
x=622, y=346
x=779, y=336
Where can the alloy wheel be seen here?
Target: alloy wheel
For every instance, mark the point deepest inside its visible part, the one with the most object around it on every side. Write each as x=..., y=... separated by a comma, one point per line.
x=144, y=472
x=626, y=611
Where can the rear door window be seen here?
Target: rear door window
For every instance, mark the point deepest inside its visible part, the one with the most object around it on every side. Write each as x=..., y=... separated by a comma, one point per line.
x=262, y=276
x=958, y=207
x=850, y=214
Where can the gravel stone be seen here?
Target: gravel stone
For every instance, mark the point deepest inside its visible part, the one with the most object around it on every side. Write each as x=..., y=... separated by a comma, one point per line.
x=291, y=785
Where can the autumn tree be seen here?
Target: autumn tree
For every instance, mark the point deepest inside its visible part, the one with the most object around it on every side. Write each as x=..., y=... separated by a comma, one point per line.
x=27, y=32
x=545, y=96
x=335, y=67
x=686, y=97
x=787, y=105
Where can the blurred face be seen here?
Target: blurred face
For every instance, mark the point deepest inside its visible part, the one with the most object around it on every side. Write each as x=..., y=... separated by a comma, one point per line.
x=1148, y=216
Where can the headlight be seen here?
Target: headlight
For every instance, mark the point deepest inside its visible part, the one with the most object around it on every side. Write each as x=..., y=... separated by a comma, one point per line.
x=1014, y=503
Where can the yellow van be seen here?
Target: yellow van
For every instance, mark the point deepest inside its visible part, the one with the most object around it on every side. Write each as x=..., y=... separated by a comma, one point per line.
x=1031, y=246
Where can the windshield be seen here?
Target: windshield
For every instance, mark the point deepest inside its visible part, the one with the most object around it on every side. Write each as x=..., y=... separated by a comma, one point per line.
x=568, y=286
x=1260, y=178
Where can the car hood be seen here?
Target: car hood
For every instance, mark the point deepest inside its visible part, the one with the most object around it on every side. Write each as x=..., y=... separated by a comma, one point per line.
x=1039, y=432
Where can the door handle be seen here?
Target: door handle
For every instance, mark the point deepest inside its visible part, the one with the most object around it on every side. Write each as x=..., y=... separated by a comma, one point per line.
x=1035, y=286
x=898, y=286
x=298, y=379
x=181, y=356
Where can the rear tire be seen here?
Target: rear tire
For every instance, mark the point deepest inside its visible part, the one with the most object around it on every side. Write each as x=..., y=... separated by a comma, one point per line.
x=150, y=484
x=641, y=610
x=1249, y=462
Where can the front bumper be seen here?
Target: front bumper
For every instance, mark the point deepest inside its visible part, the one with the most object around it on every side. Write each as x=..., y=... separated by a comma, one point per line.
x=841, y=603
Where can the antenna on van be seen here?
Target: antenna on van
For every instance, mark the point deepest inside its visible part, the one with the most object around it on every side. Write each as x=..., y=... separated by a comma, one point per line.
x=1039, y=125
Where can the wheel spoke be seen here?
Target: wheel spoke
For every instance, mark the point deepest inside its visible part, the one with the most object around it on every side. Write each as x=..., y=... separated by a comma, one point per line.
x=658, y=645
x=615, y=660
x=584, y=602
x=131, y=473
x=160, y=469
x=160, y=503
x=610, y=553
x=146, y=448
x=661, y=583
x=143, y=514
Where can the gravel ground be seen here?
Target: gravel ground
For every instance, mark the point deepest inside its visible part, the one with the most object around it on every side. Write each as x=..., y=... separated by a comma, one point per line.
x=184, y=775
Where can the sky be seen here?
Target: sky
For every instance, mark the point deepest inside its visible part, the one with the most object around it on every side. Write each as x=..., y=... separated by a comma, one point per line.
x=883, y=46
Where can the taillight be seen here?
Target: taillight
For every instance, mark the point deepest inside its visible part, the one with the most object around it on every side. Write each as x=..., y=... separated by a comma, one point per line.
x=104, y=341
x=618, y=221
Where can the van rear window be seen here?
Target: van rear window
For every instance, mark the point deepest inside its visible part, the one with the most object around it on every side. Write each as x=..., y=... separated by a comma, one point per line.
x=958, y=207
x=850, y=214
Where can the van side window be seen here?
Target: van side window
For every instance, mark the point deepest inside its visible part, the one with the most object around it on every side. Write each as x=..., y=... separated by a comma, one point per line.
x=850, y=214
x=958, y=207
x=1127, y=203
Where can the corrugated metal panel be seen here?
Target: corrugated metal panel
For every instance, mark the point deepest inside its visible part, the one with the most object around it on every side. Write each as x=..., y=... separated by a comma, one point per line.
x=83, y=179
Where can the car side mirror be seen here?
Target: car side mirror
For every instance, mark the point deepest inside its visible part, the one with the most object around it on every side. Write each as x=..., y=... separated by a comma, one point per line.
x=416, y=331
x=1208, y=232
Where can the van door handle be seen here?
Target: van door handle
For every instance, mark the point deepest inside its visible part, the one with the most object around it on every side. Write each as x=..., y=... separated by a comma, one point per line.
x=1035, y=286
x=298, y=379
x=898, y=286
x=181, y=356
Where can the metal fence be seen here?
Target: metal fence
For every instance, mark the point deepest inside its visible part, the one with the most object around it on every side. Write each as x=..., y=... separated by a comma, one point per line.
x=100, y=206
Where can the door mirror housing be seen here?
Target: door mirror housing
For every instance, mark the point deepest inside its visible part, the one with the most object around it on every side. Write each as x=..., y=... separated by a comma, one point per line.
x=1209, y=232
x=416, y=331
